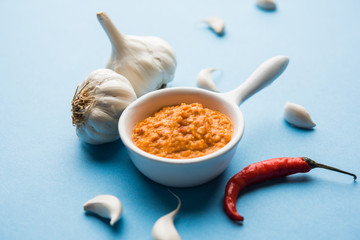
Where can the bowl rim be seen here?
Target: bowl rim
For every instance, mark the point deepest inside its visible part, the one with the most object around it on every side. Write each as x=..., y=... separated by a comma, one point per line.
x=126, y=139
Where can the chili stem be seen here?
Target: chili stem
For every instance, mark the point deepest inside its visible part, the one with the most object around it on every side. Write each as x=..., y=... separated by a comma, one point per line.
x=314, y=164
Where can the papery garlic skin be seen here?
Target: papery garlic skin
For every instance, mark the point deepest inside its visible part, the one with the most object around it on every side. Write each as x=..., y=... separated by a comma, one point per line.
x=106, y=206
x=164, y=228
x=148, y=62
x=204, y=79
x=217, y=24
x=298, y=116
x=268, y=5
x=98, y=103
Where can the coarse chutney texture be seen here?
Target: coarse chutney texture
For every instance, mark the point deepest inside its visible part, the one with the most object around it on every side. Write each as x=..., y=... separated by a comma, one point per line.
x=183, y=131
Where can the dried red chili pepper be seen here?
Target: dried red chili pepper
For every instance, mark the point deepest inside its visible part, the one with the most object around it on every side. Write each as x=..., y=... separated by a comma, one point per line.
x=265, y=170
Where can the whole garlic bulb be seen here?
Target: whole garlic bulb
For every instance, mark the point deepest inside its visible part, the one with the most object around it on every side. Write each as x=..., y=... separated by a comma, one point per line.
x=148, y=62
x=98, y=103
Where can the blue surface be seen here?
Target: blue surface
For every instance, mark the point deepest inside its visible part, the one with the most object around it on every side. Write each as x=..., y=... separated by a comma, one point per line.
x=46, y=173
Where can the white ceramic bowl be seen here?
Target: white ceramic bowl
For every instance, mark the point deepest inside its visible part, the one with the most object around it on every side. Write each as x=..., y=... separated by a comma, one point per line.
x=194, y=171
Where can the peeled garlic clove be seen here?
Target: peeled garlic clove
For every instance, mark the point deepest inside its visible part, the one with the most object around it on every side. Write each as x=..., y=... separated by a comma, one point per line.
x=147, y=62
x=106, y=206
x=297, y=116
x=268, y=5
x=164, y=228
x=97, y=105
x=205, y=80
x=216, y=24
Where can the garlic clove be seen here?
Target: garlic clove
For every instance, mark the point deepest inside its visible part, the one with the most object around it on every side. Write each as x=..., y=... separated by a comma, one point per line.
x=164, y=228
x=100, y=127
x=98, y=103
x=106, y=206
x=147, y=62
x=89, y=135
x=103, y=122
x=205, y=80
x=298, y=116
x=268, y=5
x=217, y=24
x=111, y=88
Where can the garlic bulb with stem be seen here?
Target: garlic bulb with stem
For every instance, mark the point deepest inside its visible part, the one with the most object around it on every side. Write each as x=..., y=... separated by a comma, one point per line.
x=147, y=62
x=97, y=105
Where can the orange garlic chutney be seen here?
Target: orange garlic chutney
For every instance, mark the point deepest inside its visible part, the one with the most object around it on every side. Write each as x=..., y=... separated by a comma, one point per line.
x=183, y=131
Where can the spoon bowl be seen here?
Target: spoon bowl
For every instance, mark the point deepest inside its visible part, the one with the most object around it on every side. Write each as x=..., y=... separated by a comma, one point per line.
x=194, y=171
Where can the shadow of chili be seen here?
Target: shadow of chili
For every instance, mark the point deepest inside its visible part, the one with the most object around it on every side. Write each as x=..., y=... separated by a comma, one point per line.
x=275, y=182
x=270, y=183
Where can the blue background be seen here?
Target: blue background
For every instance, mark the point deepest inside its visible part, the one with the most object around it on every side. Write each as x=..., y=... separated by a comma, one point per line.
x=46, y=173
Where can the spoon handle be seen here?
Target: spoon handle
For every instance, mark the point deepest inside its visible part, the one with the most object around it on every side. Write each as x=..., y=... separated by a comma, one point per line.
x=262, y=77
